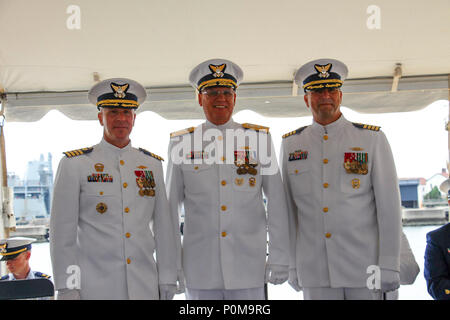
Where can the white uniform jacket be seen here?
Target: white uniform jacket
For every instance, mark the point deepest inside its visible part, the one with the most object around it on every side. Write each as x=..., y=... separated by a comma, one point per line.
x=342, y=222
x=31, y=276
x=102, y=225
x=225, y=228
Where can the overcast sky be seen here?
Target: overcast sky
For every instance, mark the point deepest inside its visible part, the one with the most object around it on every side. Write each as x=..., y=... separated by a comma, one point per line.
x=418, y=139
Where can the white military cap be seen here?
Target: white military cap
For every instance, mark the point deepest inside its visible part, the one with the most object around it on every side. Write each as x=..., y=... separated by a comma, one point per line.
x=321, y=73
x=117, y=93
x=445, y=186
x=216, y=72
x=12, y=247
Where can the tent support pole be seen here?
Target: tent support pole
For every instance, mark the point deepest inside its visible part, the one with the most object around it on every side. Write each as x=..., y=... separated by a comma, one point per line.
x=4, y=172
x=447, y=126
x=4, y=230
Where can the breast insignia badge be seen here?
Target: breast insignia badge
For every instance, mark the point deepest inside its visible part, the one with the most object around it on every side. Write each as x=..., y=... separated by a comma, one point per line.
x=356, y=183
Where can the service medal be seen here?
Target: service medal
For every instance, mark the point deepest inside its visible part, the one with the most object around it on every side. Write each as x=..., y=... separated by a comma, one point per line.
x=197, y=155
x=246, y=162
x=252, y=182
x=100, y=177
x=356, y=162
x=241, y=170
x=146, y=182
x=298, y=155
x=252, y=171
x=239, y=181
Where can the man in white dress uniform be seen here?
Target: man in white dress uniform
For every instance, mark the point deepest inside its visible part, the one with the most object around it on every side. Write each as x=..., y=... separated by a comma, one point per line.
x=16, y=252
x=343, y=196
x=110, y=212
x=219, y=171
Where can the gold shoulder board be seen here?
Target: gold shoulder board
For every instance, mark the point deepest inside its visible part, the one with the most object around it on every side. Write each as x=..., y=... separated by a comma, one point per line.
x=78, y=152
x=299, y=130
x=182, y=132
x=151, y=154
x=255, y=127
x=366, y=126
x=42, y=275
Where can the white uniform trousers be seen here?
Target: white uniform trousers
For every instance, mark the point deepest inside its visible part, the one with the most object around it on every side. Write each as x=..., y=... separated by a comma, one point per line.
x=222, y=294
x=340, y=294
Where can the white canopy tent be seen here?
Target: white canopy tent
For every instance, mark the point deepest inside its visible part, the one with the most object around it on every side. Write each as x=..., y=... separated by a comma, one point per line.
x=53, y=51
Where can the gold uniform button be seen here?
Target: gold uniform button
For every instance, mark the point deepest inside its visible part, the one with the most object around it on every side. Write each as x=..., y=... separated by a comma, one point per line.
x=127, y=210
x=325, y=137
x=122, y=162
x=328, y=235
x=128, y=261
x=296, y=171
x=196, y=168
x=325, y=161
x=223, y=182
x=125, y=184
x=101, y=193
x=127, y=235
x=223, y=159
x=223, y=208
x=325, y=185
x=224, y=234
x=325, y=209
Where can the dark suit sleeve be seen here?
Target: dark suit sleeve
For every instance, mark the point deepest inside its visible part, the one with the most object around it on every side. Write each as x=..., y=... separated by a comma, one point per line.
x=437, y=271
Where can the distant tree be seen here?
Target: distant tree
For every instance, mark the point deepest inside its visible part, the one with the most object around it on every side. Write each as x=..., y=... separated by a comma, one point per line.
x=434, y=194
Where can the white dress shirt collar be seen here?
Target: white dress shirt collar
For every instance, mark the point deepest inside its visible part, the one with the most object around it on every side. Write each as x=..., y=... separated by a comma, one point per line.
x=331, y=128
x=113, y=149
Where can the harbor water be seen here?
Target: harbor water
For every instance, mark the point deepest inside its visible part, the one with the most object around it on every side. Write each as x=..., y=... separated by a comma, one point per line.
x=40, y=261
